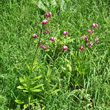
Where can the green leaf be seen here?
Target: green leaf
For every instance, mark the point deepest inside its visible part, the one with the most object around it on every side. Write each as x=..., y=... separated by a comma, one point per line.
x=25, y=106
x=67, y=60
x=38, y=77
x=20, y=87
x=48, y=72
x=40, y=85
x=54, y=87
x=34, y=64
x=21, y=79
x=73, y=93
x=19, y=101
x=36, y=90
x=25, y=91
x=69, y=67
x=29, y=68
x=57, y=90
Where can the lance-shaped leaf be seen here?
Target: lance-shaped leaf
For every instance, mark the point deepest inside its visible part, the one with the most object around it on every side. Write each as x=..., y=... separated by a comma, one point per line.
x=20, y=87
x=36, y=90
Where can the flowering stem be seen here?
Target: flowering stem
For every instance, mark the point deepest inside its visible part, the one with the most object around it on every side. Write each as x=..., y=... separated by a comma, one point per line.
x=36, y=50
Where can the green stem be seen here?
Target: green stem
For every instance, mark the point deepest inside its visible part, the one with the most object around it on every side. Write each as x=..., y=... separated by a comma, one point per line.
x=29, y=98
x=36, y=50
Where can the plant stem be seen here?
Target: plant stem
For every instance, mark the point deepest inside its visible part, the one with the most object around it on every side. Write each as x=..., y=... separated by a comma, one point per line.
x=36, y=50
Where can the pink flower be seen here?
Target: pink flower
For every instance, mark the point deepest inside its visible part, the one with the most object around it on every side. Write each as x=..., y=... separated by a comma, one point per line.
x=90, y=31
x=84, y=36
x=65, y=33
x=81, y=47
x=94, y=25
x=52, y=38
x=35, y=35
x=96, y=40
x=64, y=48
x=89, y=44
x=85, y=39
x=45, y=47
x=47, y=31
x=40, y=43
x=48, y=14
x=44, y=21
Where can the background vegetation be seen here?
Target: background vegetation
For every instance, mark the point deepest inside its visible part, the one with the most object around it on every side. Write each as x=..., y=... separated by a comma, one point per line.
x=33, y=78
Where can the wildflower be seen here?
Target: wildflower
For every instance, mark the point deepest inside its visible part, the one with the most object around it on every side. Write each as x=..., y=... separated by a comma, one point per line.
x=65, y=33
x=84, y=36
x=64, y=48
x=45, y=47
x=47, y=31
x=94, y=25
x=44, y=21
x=96, y=40
x=40, y=43
x=48, y=14
x=35, y=35
x=89, y=44
x=81, y=47
x=52, y=38
x=85, y=39
x=90, y=31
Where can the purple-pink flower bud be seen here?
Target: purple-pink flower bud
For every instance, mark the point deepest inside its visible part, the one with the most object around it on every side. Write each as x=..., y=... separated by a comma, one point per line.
x=45, y=47
x=90, y=31
x=96, y=40
x=81, y=47
x=44, y=21
x=52, y=38
x=47, y=31
x=85, y=39
x=94, y=25
x=89, y=44
x=65, y=33
x=84, y=36
x=48, y=14
x=35, y=35
x=65, y=48
x=40, y=43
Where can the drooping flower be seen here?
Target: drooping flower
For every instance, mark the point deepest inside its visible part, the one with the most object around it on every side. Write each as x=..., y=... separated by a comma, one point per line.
x=35, y=35
x=83, y=37
x=40, y=43
x=48, y=14
x=81, y=47
x=65, y=48
x=52, y=38
x=45, y=47
x=89, y=44
x=94, y=25
x=65, y=33
x=96, y=40
x=90, y=31
x=47, y=31
x=44, y=21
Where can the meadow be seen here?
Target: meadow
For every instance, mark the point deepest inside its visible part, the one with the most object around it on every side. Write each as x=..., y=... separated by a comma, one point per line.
x=54, y=55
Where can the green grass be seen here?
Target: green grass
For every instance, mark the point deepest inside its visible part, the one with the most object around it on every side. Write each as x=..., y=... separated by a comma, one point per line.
x=82, y=77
